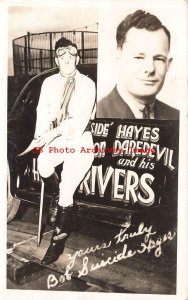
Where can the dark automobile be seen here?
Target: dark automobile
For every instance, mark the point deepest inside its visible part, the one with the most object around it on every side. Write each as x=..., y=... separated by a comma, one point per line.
x=23, y=177
x=108, y=193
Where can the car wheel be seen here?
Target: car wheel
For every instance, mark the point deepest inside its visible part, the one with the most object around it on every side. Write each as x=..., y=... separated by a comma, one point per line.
x=13, y=203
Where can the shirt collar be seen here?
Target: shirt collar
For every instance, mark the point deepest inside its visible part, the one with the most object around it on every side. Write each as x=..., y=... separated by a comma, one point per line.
x=65, y=78
x=137, y=107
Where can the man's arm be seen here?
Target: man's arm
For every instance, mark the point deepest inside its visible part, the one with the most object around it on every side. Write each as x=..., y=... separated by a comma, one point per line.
x=42, y=123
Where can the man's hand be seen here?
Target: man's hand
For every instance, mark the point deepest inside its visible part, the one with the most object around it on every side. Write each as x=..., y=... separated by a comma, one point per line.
x=46, y=138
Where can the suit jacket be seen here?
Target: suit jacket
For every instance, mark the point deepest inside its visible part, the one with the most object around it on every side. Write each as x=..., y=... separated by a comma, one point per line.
x=113, y=106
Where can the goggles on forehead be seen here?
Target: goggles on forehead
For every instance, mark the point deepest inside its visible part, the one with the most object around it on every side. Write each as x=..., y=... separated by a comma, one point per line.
x=70, y=49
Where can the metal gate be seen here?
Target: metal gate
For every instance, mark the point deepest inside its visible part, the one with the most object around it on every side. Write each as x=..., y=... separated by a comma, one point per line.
x=34, y=53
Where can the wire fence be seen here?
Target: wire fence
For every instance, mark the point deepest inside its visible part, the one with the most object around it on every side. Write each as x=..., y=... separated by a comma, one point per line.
x=34, y=53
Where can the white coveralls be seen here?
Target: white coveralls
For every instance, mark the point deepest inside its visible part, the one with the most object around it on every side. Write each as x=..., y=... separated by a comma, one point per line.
x=81, y=109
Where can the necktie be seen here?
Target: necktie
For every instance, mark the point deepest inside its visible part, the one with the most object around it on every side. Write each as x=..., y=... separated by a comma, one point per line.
x=67, y=93
x=146, y=112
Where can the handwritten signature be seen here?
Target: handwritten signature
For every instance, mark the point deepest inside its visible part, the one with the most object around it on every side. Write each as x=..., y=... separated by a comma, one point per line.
x=148, y=244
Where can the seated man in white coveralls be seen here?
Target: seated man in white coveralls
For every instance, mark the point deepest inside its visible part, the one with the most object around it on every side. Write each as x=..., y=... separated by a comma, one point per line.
x=66, y=105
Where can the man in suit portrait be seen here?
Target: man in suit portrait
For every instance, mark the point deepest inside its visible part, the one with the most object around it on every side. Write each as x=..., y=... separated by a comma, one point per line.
x=143, y=45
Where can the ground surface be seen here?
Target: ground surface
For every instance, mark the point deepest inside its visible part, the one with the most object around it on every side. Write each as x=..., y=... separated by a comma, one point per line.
x=96, y=262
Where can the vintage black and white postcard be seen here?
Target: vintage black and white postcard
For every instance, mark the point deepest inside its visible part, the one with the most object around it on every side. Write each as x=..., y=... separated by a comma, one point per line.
x=95, y=94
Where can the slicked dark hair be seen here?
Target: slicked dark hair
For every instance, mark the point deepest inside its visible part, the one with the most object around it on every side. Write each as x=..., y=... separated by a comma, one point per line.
x=63, y=42
x=140, y=19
